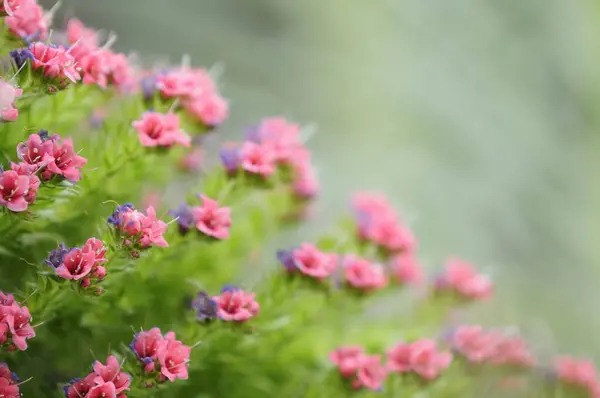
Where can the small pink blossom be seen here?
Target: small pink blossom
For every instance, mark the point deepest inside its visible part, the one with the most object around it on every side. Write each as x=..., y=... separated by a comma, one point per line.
x=371, y=373
x=18, y=320
x=8, y=96
x=103, y=390
x=192, y=161
x=77, y=264
x=405, y=269
x=236, y=305
x=257, y=158
x=173, y=357
x=10, y=6
x=80, y=388
x=312, y=262
x=460, y=277
x=426, y=360
x=305, y=183
x=97, y=247
x=28, y=170
x=9, y=389
x=157, y=129
x=145, y=344
x=144, y=229
x=95, y=68
x=83, y=40
x=152, y=230
x=577, y=372
x=37, y=146
x=26, y=19
x=14, y=189
x=348, y=359
x=63, y=161
x=211, y=219
x=364, y=275
x=399, y=358
x=211, y=109
x=282, y=136
x=111, y=372
x=474, y=343
x=56, y=62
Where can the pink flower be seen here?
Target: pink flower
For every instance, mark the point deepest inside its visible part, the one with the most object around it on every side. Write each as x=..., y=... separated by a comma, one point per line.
x=577, y=372
x=8, y=389
x=104, y=390
x=364, y=275
x=305, y=183
x=474, y=343
x=95, y=68
x=158, y=129
x=28, y=20
x=348, y=359
x=77, y=264
x=8, y=96
x=10, y=6
x=55, y=61
x=145, y=344
x=14, y=189
x=460, y=277
x=426, y=360
x=18, y=319
x=95, y=246
x=64, y=161
x=511, y=350
x=312, y=262
x=236, y=305
x=371, y=374
x=83, y=40
x=192, y=161
x=80, y=388
x=279, y=134
x=37, y=146
x=173, y=357
x=211, y=219
x=211, y=109
x=111, y=372
x=405, y=268
x=399, y=358
x=152, y=230
x=257, y=159
x=28, y=170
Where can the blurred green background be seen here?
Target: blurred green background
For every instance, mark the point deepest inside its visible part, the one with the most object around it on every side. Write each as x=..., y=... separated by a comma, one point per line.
x=479, y=118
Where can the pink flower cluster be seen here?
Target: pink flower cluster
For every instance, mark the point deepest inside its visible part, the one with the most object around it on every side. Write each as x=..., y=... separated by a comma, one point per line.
x=273, y=143
x=137, y=229
x=51, y=157
x=80, y=264
x=460, y=278
x=8, y=96
x=196, y=91
x=18, y=186
x=234, y=304
x=421, y=357
x=163, y=130
x=378, y=223
x=580, y=374
x=105, y=381
x=15, y=326
x=98, y=65
x=26, y=19
x=162, y=356
x=55, y=62
x=9, y=383
x=209, y=219
x=478, y=345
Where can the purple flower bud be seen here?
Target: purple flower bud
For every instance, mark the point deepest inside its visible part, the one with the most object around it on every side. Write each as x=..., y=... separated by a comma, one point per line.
x=185, y=217
x=20, y=56
x=115, y=218
x=230, y=156
x=286, y=259
x=229, y=288
x=56, y=256
x=205, y=307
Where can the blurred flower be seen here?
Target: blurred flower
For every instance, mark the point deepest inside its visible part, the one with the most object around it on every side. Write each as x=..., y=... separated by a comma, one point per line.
x=210, y=108
x=236, y=305
x=157, y=129
x=211, y=219
x=103, y=390
x=577, y=372
x=230, y=156
x=305, y=183
x=312, y=262
x=185, y=217
x=8, y=96
x=460, y=277
x=405, y=268
x=10, y=6
x=80, y=387
x=371, y=374
x=192, y=161
x=28, y=20
x=9, y=383
x=361, y=274
x=286, y=259
x=281, y=136
x=257, y=159
x=20, y=56
x=421, y=357
x=205, y=307
x=348, y=359
x=111, y=373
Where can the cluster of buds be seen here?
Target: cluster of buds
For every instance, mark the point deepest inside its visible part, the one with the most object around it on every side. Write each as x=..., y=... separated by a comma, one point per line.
x=162, y=357
x=232, y=305
x=274, y=144
x=136, y=230
x=105, y=381
x=209, y=219
x=82, y=264
x=15, y=323
x=193, y=89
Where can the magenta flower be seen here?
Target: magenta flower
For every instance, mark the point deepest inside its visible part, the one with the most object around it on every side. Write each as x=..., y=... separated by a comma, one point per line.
x=426, y=360
x=236, y=305
x=18, y=320
x=104, y=390
x=14, y=190
x=211, y=219
x=36, y=148
x=371, y=374
x=314, y=263
x=83, y=40
x=348, y=359
x=399, y=357
x=97, y=247
x=363, y=275
x=78, y=388
x=111, y=373
x=95, y=67
x=9, y=389
x=157, y=129
x=10, y=6
x=143, y=229
x=257, y=158
x=28, y=20
x=28, y=170
x=64, y=161
x=280, y=135
x=474, y=343
x=211, y=108
x=145, y=346
x=405, y=269
x=76, y=264
x=55, y=62
x=8, y=96
x=173, y=357
x=577, y=372
x=461, y=278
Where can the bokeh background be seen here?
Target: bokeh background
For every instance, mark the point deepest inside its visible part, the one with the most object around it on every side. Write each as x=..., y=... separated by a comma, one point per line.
x=479, y=118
